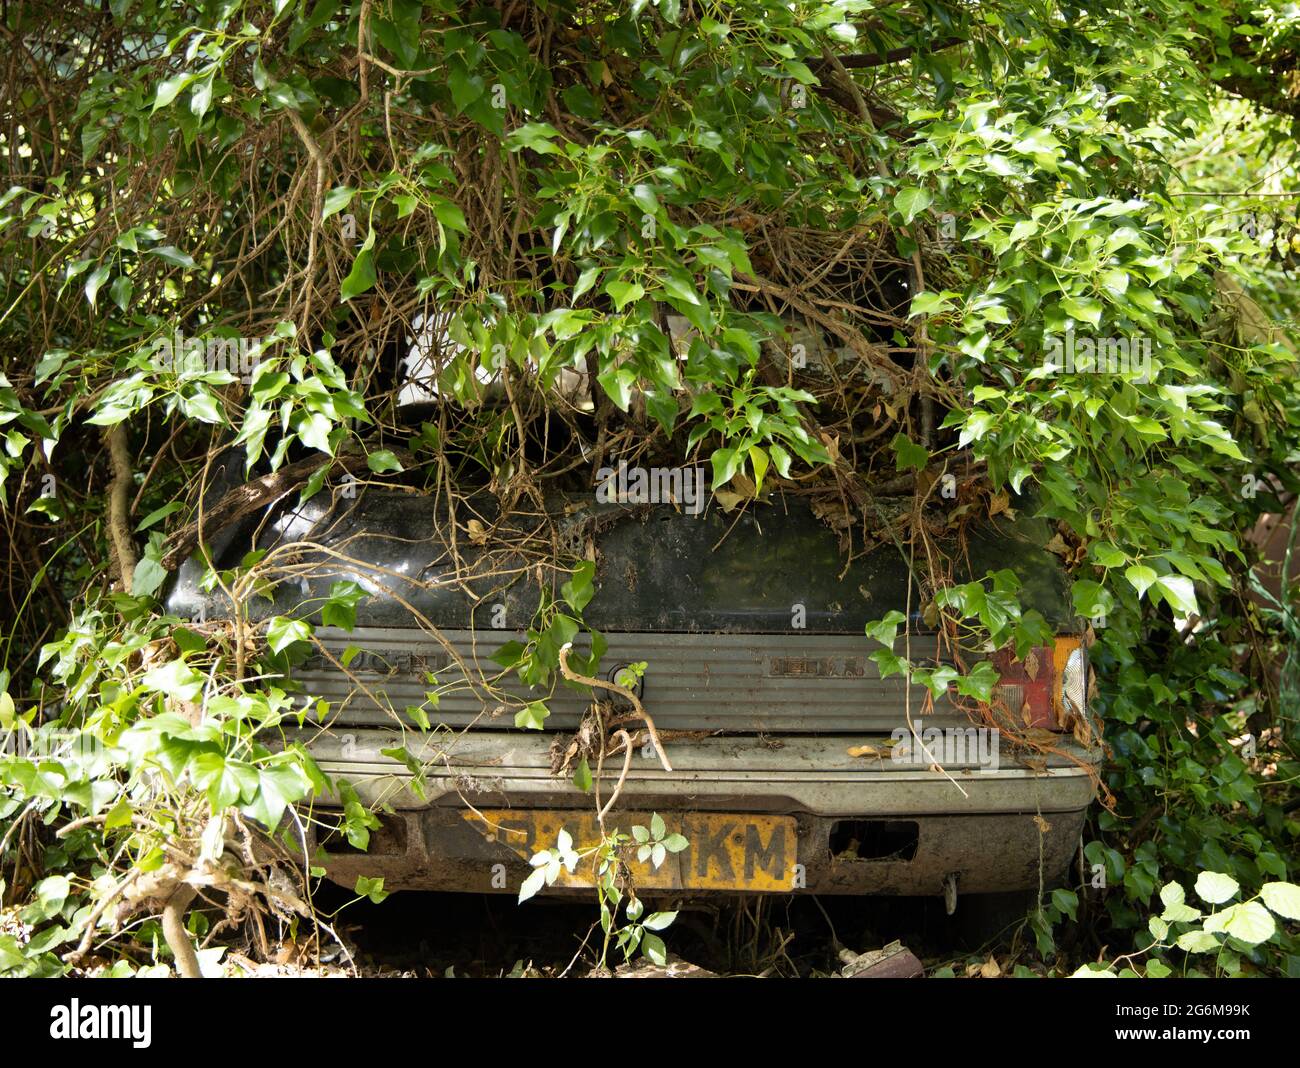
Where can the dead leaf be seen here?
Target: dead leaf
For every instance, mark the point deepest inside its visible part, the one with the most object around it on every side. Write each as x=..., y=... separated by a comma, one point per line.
x=863, y=751
x=727, y=499
x=999, y=503
x=832, y=443
x=1057, y=545
x=1042, y=824
x=1031, y=665
x=833, y=513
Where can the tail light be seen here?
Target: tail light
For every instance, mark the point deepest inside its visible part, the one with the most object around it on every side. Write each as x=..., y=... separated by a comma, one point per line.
x=1048, y=688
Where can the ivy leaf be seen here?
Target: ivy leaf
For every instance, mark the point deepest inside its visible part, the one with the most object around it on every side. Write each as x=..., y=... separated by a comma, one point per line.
x=532, y=716
x=1140, y=577
x=373, y=888
x=1179, y=592
x=578, y=590
x=1085, y=309
x=173, y=255
x=911, y=201
x=282, y=632
x=624, y=293
x=908, y=453
x=175, y=679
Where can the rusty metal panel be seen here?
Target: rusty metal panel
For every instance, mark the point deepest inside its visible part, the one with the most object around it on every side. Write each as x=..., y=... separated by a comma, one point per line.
x=985, y=854
x=735, y=682
x=807, y=774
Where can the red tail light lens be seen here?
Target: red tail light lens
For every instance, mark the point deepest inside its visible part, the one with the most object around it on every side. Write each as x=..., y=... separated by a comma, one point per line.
x=1048, y=688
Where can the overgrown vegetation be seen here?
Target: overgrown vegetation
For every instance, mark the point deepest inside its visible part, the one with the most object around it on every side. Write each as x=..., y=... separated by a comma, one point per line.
x=876, y=223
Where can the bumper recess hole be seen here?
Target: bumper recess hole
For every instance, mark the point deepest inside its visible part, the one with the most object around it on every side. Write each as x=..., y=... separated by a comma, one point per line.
x=874, y=840
x=388, y=840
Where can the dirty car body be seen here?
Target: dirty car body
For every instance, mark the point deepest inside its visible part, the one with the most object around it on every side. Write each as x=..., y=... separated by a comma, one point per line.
x=759, y=679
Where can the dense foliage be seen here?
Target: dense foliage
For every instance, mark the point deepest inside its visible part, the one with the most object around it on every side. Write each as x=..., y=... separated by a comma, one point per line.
x=954, y=194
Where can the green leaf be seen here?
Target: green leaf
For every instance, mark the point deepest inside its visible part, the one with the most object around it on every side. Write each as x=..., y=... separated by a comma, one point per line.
x=624, y=293
x=281, y=632
x=336, y=200
x=1083, y=308
x=929, y=303
x=653, y=947
x=1282, y=898
x=911, y=201
x=382, y=460
x=159, y=513
x=532, y=716
x=908, y=453
x=173, y=255
x=449, y=215
x=1215, y=888
x=1171, y=894
x=1066, y=902
x=371, y=888
x=578, y=591
x=618, y=383
x=1179, y=592
x=96, y=279
x=362, y=276
x=175, y=679
x=1197, y=942
x=1248, y=921
x=536, y=136
x=148, y=577
x=582, y=776
x=726, y=462
x=1140, y=577
x=170, y=88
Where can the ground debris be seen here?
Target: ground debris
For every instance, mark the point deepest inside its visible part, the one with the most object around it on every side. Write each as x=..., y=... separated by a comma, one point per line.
x=894, y=961
x=644, y=968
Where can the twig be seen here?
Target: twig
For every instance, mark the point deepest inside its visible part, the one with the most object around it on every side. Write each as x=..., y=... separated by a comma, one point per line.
x=622, y=691
x=119, y=505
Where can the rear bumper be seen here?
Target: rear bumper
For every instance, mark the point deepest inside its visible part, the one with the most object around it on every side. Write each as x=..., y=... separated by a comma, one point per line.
x=864, y=825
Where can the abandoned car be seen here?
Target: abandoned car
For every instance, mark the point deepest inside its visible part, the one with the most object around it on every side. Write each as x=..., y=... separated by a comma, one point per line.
x=784, y=757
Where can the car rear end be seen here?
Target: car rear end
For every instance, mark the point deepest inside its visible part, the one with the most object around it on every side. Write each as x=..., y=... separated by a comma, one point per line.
x=795, y=766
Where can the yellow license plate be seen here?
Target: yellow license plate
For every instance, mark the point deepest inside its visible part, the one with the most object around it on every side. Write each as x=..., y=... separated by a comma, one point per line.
x=724, y=852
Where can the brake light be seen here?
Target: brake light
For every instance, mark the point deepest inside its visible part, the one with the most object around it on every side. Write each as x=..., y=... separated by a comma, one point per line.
x=1025, y=689
x=1048, y=688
